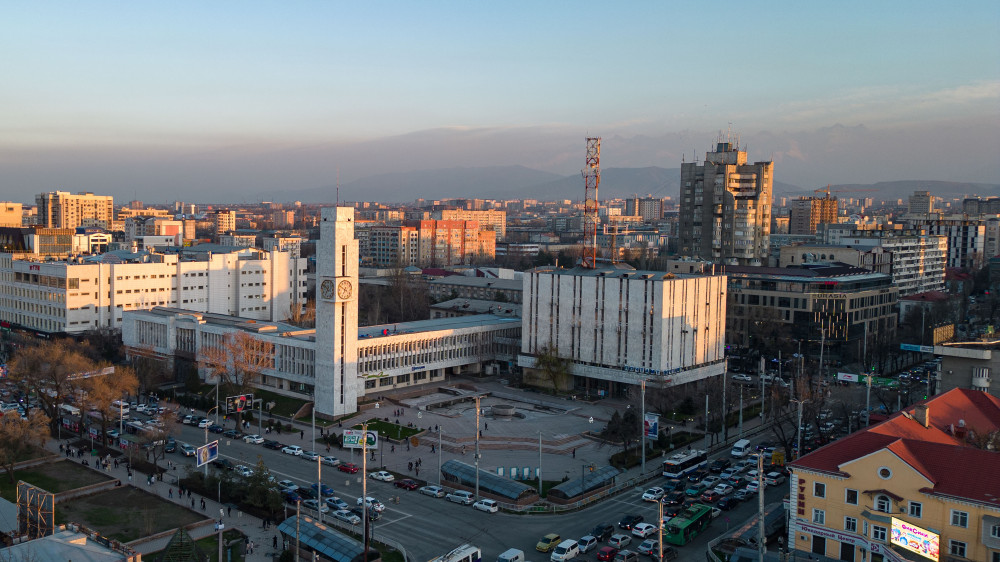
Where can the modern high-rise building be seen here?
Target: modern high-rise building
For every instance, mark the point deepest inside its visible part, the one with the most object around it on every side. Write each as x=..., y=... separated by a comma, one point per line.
x=808, y=212
x=726, y=207
x=921, y=203
x=649, y=208
x=61, y=209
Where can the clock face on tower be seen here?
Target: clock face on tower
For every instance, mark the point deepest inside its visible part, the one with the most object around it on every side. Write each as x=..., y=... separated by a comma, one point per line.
x=344, y=289
x=326, y=289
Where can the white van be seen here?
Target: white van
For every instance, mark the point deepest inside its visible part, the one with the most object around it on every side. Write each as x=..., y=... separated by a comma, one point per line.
x=511, y=555
x=567, y=550
x=740, y=448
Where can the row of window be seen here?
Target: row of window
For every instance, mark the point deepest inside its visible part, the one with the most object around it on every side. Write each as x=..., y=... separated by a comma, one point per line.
x=879, y=533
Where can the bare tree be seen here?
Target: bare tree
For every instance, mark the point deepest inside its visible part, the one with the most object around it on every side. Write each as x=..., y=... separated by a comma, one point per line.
x=237, y=362
x=102, y=391
x=18, y=437
x=49, y=371
x=303, y=317
x=552, y=367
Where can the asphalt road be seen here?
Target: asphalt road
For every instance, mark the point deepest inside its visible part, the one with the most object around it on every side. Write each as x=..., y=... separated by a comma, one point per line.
x=429, y=527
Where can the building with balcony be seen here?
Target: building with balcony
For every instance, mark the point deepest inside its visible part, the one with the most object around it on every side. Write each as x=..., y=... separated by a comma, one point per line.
x=61, y=209
x=922, y=485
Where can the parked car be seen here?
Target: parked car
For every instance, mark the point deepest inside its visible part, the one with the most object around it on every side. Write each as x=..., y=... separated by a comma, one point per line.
x=629, y=521
x=587, y=543
x=433, y=491
x=273, y=445
x=620, y=541
x=723, y=489
x=372, y=514
x=336, y=503
x=331, y=461
x=347, y=516
x=215, y=428
x=372, y=503
x=310, y=456
x=316, y=506
x=742, y=377
x=292, y=497
x=406, y=484
x=326, y=492
x=566, y=550
x=489, y=506
x=643, y=530
x=547, y=543
x=233, y=434
x=727, y=503
x=287, y=485
x=606, y=553
x=460, y=496
x=774, y=478
x=382, y=475
x=603, y=531
x=292, y=450
x=349, y=467
x=253, y=439
x=653, y=494
x=203, y=423
x=223, y=464
x=626, y=556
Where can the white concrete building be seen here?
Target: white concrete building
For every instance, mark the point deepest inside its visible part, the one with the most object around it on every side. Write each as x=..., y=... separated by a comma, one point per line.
x=337, y=362
x=918, y=259
x=290, y=244
x=78, y=294
x=619, y=326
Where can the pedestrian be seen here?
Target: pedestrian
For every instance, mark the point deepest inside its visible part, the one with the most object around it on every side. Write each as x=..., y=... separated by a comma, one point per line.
x=203, y=504
x=229, y=510
x=274, y=543
x=418, y=471
x=463, y=449
x=393, y=449
x=116, y=464
x=432, y=447
x=189, y=492
x=130, y=476
x=302, y=434
x=486, y=425
x=192, y=503
x=574, y=452
x=170, y=493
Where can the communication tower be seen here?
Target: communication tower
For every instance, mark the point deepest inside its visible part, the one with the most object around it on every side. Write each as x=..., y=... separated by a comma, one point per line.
x=591, y=181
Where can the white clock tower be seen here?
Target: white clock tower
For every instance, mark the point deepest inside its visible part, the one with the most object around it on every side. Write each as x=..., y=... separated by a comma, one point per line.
x=337, y=313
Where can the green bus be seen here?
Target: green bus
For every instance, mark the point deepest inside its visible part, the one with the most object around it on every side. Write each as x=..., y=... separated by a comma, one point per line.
x=688, y=524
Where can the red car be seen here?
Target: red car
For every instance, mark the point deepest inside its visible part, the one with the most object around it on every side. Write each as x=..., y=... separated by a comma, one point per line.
x=407, y=484
x=348, y=467
x=607, y=553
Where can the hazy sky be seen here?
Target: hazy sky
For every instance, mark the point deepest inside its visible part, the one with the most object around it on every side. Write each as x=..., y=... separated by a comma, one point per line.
x=214, y=97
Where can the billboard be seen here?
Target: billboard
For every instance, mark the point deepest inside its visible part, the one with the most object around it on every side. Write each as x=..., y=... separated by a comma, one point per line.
x=352, y=439
x=848, y=377
x=35, y=511
x=207, y=453
x=915, y=539
x=238, y=403
x=651, y=425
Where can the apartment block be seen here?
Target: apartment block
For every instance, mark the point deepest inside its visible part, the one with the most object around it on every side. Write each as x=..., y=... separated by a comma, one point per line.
x=918, y=259
x=966, y=238
x=10, y=214
x=726, y=207
x=806, y=213
x=649, y=208
x=494, y=221
x=61, y=209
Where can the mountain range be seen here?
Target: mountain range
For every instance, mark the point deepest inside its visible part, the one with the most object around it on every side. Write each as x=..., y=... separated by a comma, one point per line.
x=519, y=182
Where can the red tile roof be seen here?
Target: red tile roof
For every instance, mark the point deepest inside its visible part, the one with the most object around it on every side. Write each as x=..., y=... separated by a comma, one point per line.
x=954, y=466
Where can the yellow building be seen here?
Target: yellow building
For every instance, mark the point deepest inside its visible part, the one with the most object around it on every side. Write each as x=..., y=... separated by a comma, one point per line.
x=923, y=485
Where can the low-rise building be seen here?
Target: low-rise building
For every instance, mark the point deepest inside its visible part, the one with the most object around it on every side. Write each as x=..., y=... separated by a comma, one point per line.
x=922, y=485
x=479, y=288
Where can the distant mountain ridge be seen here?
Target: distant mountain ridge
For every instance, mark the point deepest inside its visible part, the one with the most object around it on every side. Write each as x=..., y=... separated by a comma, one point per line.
x=520, y=182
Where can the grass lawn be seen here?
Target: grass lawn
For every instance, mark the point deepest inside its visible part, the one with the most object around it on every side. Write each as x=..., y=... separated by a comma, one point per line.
x=54, y=477
x=210, y=547
x=391, y=430
x=285, y=406
x=126, y=513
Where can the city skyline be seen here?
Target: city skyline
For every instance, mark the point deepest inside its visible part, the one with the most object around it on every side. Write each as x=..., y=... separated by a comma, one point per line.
x=202, y=100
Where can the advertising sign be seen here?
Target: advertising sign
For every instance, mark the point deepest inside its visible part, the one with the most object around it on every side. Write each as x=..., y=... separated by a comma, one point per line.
x=915, y=539
x=238, y=403
x=651, y=425
x=849, y=377
x=207, y=453
x=352, y=439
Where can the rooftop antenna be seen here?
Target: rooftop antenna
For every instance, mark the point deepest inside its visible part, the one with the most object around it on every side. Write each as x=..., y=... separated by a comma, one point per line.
x=338, y=187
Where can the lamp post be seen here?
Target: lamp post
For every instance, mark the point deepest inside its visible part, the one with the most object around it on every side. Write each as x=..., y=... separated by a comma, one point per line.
x=642, y=424
x=477, y=447
x=798, y=428
x=440, y=431
x=364, y=484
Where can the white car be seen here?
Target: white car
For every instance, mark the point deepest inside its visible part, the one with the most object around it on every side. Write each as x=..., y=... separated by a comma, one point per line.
x=742, y=378
x=331, y=461
x=205, y=422
x=382, y=475
x=587, y=543
x=292, y=450
x=489, y=506
x=753, y=487
x=310, y=455
x=774, y=478
x=432, y=491
x=244, y=471
x=254, y=439
x=619, y=541
x=643, y=530
x=372, y=503
x=287, y=485
x=347, y=516
x=653, y=495
x=723, y=489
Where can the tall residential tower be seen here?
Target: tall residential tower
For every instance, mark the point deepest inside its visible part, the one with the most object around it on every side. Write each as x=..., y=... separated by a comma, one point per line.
x=726, y=207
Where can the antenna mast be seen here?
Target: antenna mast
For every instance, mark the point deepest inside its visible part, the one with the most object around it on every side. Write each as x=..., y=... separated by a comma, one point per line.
x=591, y=180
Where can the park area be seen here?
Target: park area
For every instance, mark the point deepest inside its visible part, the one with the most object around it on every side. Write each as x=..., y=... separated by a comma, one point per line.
x=55, y=477
x=126, y=513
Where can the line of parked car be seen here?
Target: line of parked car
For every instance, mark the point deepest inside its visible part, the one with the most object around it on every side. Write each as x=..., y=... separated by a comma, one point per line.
x=615, y=543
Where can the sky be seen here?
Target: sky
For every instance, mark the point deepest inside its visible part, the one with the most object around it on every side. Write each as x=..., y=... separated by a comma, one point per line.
x=207, y=99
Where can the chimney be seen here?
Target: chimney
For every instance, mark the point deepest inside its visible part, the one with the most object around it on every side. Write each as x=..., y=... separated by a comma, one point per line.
x=922, y=414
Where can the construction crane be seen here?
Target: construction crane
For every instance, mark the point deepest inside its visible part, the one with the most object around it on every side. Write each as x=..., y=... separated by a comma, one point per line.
x=828, y=191
x=591, y=180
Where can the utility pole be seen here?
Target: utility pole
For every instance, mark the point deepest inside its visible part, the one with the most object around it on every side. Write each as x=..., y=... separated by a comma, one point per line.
x=798, y=429
x=761, y=545
x=298, y=534
x=706, y=423
x=477, y=448
x=319, y=486
x=659, y=530
x=364, y=485
x=868, y=402
x=539, y=463
x=741, y=411
x=440, y=431
x=642, y=424
x=725, y=408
